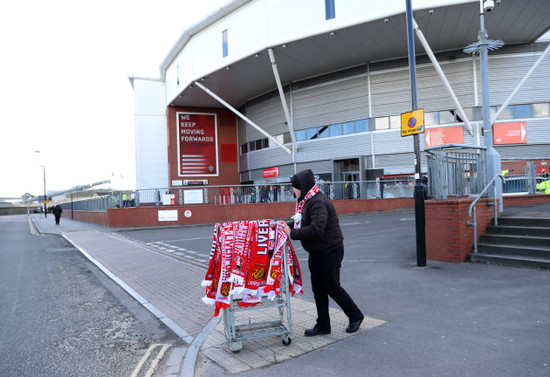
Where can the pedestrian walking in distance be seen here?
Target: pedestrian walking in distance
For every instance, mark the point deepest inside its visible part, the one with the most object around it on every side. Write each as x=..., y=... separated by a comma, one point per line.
x=57, y=210
x=317, y=227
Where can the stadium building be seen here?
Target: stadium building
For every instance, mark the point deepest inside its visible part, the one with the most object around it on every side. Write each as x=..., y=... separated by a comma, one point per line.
x=261, y=89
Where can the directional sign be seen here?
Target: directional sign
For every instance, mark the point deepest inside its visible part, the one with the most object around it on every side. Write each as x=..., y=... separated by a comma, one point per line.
x=510, y=133
x=444, y=135
x=412, y=122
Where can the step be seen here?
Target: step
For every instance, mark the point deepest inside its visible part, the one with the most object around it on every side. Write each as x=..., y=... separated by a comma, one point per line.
x=510, y=260
x=519, y=240
x=524, y=221
x=501, y=249
x=519, y=230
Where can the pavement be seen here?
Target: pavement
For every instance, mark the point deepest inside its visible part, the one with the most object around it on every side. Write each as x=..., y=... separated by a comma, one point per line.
x=442, y=320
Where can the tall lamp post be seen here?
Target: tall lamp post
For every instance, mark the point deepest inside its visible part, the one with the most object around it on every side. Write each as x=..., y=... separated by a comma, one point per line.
x=45, y=197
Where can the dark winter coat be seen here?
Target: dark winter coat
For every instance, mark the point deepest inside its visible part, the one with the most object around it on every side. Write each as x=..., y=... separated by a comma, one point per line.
x=320, y=229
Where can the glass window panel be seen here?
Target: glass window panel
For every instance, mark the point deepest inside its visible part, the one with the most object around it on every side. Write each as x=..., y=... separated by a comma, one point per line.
x=541, y=110
x=446, y=116
x=507, y=113
x=336, y=129
x=473, y=113
x=301, y=135
x=382, y=123
x=362, y=125
x=329, y=9
x=523, y=111
x=287, y=138
x=252, y=146
x=311, y=133
x=431, y=119
x=259, y=144
x=395, y=121
x=225, y=46
x=349, y=128
x=244, y=148
x=323, y=132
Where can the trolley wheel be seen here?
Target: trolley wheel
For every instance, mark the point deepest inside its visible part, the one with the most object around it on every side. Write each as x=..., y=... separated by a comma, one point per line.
x=287, y=341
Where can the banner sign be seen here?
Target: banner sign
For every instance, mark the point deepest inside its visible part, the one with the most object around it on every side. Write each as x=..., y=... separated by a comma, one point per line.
x=444, y=135
x=271, y=172
x=509, y=133
x=197, y=144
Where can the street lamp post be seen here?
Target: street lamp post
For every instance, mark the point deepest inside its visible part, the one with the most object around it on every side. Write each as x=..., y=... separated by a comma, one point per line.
x=45, y=197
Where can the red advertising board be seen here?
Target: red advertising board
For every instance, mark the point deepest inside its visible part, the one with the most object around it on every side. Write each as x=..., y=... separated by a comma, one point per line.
x=197, y=144
x=271, y=172
x=510, y=133
x=444, y=135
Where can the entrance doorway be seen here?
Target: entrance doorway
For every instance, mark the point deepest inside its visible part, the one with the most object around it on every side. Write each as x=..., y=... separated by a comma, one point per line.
x=348, y=173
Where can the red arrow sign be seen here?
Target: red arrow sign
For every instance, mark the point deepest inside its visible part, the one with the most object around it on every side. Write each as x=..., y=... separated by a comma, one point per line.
x=510, y=133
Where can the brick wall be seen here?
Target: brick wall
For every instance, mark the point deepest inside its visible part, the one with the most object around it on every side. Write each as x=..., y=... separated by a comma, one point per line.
x=448, y=237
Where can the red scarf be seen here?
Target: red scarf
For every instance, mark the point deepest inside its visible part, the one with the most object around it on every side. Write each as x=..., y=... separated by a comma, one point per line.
x=300, y=206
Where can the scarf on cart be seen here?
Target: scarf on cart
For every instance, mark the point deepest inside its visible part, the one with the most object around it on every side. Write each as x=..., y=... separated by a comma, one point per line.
x=300, y=206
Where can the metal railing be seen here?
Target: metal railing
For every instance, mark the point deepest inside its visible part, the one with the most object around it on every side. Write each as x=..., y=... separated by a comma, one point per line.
x=456, y=170
x=398, y=187
x=522, y=175
x=473, y=206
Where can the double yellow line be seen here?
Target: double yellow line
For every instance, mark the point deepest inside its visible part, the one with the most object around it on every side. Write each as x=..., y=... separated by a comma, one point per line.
x=154, y=363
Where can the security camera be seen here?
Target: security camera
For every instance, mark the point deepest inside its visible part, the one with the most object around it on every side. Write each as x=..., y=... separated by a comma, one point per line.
x=488, y=5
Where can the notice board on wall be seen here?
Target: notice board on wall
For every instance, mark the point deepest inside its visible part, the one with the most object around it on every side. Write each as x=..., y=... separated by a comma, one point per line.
x=197, y=144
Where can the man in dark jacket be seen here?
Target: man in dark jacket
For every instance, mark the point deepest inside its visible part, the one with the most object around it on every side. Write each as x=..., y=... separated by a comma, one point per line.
x=317, y=227
x=57, y=210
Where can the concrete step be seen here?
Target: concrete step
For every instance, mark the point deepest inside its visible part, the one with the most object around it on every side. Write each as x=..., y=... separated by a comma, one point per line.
x=505, y=250
x=511, y=260
x=519, y=240
x=524, y=221
x=519, y=230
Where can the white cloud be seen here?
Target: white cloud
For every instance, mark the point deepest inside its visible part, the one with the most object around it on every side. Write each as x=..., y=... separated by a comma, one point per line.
x=65, y=90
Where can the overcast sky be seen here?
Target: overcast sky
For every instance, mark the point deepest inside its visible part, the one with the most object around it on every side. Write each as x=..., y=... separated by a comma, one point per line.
x=64, y=88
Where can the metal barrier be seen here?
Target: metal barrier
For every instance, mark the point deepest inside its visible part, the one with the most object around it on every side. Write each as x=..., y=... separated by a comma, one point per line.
x=522, y=175
x=473, y=206
x=397, y=187
x=456, y=170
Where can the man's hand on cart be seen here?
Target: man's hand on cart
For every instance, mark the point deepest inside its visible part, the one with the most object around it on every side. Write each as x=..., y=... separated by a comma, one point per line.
x=286, y=229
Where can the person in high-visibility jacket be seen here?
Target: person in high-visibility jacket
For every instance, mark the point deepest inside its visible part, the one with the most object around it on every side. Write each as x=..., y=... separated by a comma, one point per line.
x=544, y=186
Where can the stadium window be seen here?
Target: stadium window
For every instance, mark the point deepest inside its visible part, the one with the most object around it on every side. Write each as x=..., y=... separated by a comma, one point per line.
x=349, y=128
x=323, y=132
x=362, y=125
x=473, y=113
x=225, y=47
x=244, y=149
x=507, y=113
x=395, y=122
x=287, y=138
x=252, y=146
x=311, y=133
x=382, y=123
x=446, y=116
x=540, y=110
x=330, y=12
x=431, y=119
x=300, y=135
x=522, y=111
x=336, y=129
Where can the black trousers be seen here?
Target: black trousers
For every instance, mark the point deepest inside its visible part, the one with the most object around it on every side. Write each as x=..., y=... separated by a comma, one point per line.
x=325, y=282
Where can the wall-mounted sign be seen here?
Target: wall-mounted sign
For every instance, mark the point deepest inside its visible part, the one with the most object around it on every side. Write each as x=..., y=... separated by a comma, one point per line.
x=192, y=197
x=271, y=172
x=197, y=144
x=412, y=122
x=168, y=215
x=510, y=133
x=444, y=135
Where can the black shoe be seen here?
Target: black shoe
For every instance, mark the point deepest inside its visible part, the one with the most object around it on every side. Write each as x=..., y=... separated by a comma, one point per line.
x=316, y=331
x=354, y=325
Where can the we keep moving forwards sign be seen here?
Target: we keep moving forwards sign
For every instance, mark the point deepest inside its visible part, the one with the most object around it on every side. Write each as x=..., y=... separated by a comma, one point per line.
x=197, y=144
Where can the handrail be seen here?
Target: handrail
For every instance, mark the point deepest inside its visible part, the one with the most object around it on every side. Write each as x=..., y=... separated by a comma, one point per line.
x=473, y=206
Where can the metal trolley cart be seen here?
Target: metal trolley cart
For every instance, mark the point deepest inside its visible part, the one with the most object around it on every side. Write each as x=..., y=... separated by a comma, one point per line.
x=240, y=327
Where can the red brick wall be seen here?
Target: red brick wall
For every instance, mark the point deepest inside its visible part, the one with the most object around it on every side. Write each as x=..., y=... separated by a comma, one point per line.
x=524, y=200
x=448, y=237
